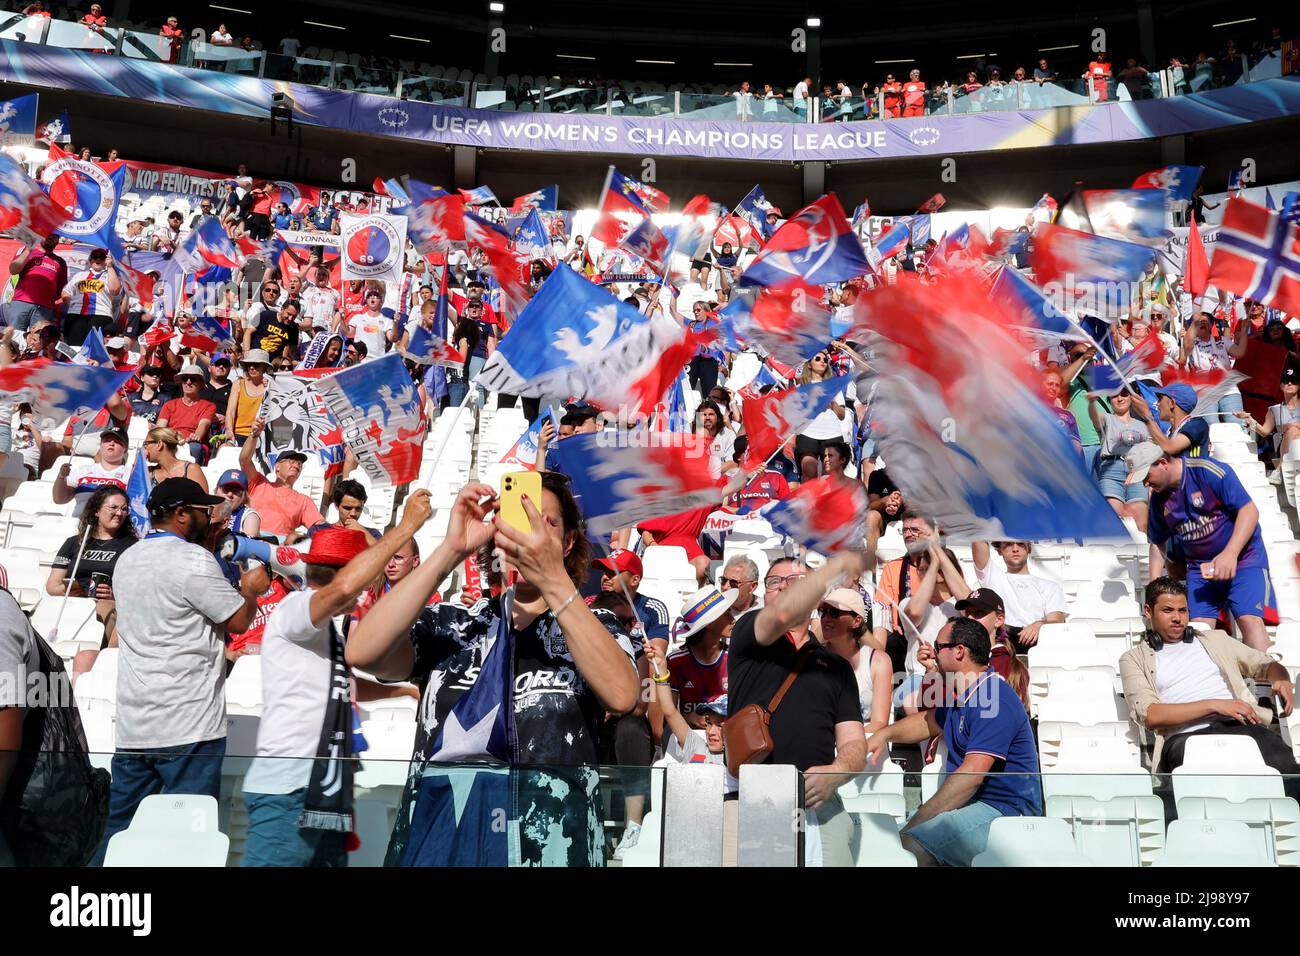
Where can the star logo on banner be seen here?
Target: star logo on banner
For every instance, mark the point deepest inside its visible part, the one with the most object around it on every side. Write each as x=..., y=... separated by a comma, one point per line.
x=457, y=741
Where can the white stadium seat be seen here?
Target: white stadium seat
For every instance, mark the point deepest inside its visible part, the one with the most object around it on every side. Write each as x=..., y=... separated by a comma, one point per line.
x=171, y=830
x=1203, y=843
x=1031, y=841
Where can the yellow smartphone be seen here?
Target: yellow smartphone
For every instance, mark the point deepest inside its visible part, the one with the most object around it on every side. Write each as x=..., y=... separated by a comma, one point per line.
x=514, y=486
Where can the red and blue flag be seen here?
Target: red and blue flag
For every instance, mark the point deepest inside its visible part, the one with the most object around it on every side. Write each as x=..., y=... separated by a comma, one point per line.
x=1257, y=256
x=1179, y=181
x=771, y=419
x=378, y=409
x=826, y=515
x=815, y=245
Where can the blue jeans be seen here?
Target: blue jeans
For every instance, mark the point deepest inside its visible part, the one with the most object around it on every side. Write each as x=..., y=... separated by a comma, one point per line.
x=186, y=768
x=1090, y=455
x=23, y=315
x=456, y=390
x=275, y=839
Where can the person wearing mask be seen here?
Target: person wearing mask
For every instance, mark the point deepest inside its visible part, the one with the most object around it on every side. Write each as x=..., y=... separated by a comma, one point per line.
x=247, y=394
x=292, y=818
x=174, y=604
x=160, y=447
x=818, y=725
x=42, y=276
x=551, y=788
x=79, y=481
x=992, y=768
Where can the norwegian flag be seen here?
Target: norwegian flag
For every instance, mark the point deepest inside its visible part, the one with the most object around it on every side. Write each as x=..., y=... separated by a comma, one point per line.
x=1145, y=360
x=1258, y=256
x=621, y=487
x=378, y=409
x=771, y=419
x=788, y=320
x=25, y=208
x=826, y=515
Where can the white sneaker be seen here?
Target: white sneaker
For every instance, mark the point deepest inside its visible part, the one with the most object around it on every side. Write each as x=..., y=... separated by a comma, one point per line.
x=1275, y=477
x=630, y=837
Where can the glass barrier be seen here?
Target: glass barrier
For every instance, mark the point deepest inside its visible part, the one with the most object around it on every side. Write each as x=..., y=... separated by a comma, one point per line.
x=227, y=59
x=146, y=46
x=778, y=110
x=505, y=98
x=430, y=89
x=15, y=26
x=218, y=810
x=363, y=79
x=568, y=99
x=637, y=103
x=712, y=106
x=79, y=36
x=843, y=109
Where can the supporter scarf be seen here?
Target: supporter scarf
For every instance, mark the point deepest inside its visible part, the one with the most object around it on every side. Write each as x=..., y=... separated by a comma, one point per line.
x=317, y=349
x=328, y=803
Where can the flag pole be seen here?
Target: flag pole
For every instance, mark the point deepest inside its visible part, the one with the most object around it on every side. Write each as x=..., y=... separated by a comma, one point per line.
x=67, y=588
x=446, y=436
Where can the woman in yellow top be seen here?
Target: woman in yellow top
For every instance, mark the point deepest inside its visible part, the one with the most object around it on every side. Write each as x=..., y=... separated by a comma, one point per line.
x=247, y=394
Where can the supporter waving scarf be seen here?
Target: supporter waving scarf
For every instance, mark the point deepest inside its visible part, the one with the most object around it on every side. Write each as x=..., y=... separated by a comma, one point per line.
x=328, y=803
x=316, y=351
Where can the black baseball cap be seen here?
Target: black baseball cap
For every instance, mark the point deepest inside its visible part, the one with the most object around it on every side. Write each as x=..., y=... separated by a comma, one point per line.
x=1290, y=376
x=291, y=455
x=982, y=600
x=116, y=434
x=179, y=492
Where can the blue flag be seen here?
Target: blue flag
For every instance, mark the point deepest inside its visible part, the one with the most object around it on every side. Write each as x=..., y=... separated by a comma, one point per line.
x=93, y=217
x=18, y=121
x=531, y=235
x=93, y=350
x=815, y=245
x=479, y=723
x=137, y=494
x=1030, y=308
x=1291, y=207
x=754, y=208
x=57, y=130
x=1130, y=215
x=524, y=451
x=59, y=390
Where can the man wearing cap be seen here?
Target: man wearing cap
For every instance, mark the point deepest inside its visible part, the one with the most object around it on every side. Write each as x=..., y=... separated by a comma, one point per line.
x=1033, y=600
x=283, y=510
x=699, y=670
x=296, y=816
x=190, y=414
x=217, y=391
x=80, y=479
x=1187, y=436
x=818, y=725
x=233, y=486
x=621, y=573
x=91, y=297
x=992, y=768
x=1202, y=513
x=985, y=605
x=173, y=607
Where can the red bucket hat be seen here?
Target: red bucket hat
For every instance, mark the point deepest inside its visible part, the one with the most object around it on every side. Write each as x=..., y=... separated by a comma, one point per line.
x=335, y=547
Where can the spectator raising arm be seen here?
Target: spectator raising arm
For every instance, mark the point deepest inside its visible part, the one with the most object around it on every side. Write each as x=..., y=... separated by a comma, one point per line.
x=795, y=604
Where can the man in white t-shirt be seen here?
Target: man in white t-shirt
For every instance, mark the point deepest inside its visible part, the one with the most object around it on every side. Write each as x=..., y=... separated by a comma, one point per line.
x=371, y=326
x=801, y=93
x=1030, y=601
x=174, y=606
x=320, y=302
x=301, y=654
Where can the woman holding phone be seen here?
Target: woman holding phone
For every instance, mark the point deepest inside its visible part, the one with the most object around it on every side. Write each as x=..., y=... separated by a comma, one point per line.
x=570, y=666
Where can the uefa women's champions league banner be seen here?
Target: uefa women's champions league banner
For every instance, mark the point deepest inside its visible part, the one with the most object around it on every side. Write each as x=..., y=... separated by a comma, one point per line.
x=43, y=66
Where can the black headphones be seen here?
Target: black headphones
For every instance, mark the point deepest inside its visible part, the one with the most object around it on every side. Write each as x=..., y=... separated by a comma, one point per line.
x=1155, y=641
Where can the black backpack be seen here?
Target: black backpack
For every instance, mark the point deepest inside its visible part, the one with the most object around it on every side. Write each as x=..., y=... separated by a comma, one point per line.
x=56, y=804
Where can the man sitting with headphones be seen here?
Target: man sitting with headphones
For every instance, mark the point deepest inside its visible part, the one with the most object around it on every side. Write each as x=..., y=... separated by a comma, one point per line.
x=1179, y=683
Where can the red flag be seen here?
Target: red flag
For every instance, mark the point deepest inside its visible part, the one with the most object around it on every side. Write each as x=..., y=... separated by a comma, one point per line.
x=378, y=186
x=650, y=389
x=1196, y=271
x=933, y=204
x=618, y=217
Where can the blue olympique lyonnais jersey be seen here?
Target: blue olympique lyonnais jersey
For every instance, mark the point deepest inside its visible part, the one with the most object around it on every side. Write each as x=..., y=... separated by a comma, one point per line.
x=1200, y=513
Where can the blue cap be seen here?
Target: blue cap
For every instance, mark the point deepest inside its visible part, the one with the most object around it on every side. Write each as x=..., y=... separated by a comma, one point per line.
x=718, y=705
x=1181, y=394
x=232, y=476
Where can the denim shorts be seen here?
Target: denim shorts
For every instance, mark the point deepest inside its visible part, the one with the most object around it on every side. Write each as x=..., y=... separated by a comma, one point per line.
x=1111, y=475
x=955, y=837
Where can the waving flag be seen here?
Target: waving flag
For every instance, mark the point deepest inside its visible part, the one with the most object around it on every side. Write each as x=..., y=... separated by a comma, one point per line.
x=90, y=193
x=18, y=121
x=825, y=515
x=648, y=244
x=788, y=321
x=771, y=419
x=1046, y=203
x=57, y=130
x=763, y=379
x=754, y=208
x=211, y=242
x=373, y=246
x=933, y=204
x=815, y=245
x=1061, y=253
x=620, y=487
x=1236, y=180
x=93, y=350
x=620, y=211
x=378, y=409
x=25, y=208
x=861, y=214
x=1196, y=265
x=1178, y=181
x=1144, y=361
x=1027, y=307
x=427, y=348
x=478, y=196
x=737, y=231
x=672, y=415
x=507, y=267
x=544, y=199
x=137, y=494
x=1132, y=215
x=207, y=335
x=524, y=451
x=894, y=241
x=574, y=338
x=967, y=438
x=1291, y=207
x=1257, y=256
x=58, y=390
x=1009, y=242
x=653, y=200
x=531, y=237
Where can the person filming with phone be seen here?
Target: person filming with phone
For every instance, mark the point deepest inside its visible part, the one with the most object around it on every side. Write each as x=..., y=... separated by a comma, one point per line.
x=538, y=733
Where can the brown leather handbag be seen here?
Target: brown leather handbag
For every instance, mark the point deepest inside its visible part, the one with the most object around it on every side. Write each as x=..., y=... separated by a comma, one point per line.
x=747, y=734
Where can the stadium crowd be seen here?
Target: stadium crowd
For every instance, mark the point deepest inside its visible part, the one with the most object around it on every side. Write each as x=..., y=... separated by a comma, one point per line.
x=850, y=654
